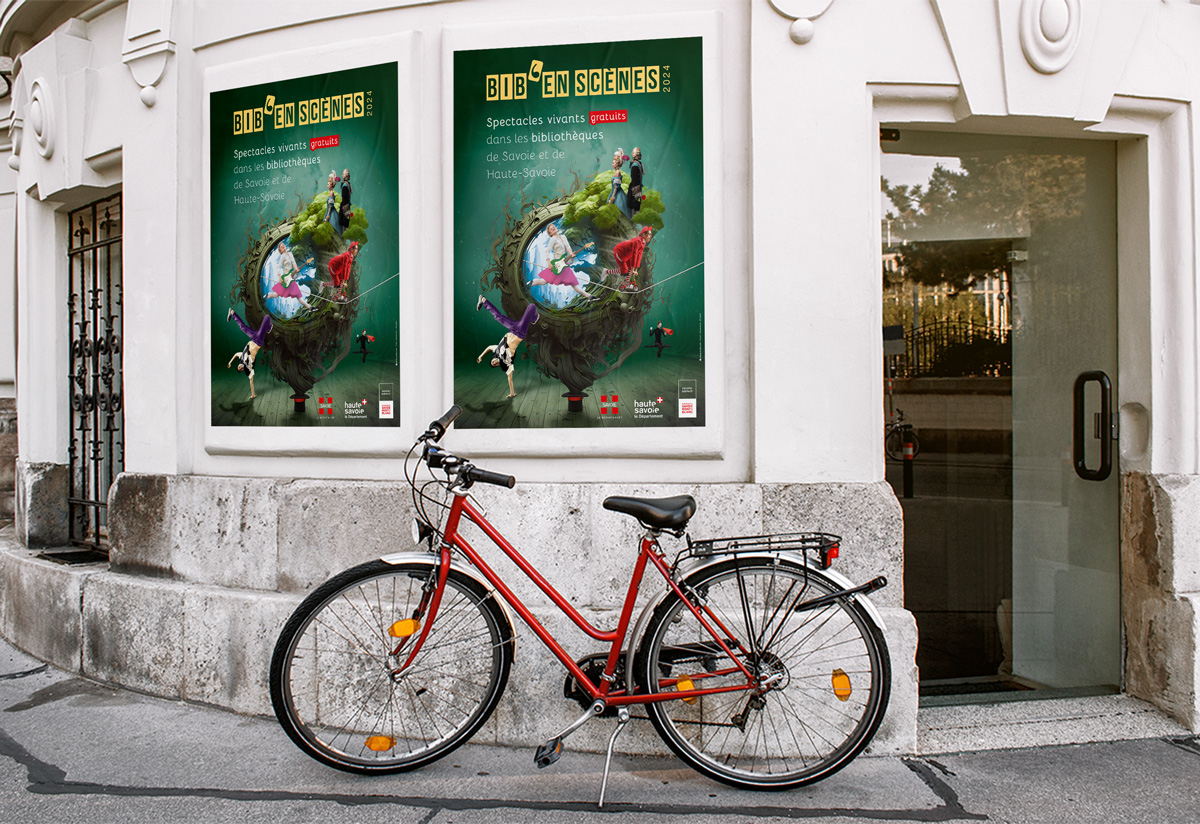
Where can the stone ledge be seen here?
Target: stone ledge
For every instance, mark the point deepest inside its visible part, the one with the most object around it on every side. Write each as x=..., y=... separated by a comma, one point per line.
x=40, y=603
x=213, y=645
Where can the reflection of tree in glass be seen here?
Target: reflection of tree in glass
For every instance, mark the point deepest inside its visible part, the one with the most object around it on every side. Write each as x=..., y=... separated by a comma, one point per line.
x=999, y=196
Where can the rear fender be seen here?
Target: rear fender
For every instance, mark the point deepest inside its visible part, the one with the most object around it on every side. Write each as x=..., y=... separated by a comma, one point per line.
x=836, y=579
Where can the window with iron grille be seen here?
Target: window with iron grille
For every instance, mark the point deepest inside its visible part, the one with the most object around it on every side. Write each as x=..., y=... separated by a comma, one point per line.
x=97, y=447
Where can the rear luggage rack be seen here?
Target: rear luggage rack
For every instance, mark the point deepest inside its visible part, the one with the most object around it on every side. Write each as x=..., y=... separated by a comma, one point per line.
x=823, y=546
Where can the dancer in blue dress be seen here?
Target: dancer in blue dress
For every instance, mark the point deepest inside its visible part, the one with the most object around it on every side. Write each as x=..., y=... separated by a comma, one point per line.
x=331, y=211
x=618, y=195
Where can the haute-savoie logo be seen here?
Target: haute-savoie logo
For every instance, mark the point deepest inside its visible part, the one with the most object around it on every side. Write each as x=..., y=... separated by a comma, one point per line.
x=648, y=410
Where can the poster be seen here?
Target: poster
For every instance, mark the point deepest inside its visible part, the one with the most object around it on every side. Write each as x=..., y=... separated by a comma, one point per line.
x=304, y=280
x=578, y=235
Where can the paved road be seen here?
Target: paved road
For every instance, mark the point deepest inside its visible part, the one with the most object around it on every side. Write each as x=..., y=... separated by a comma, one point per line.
x=75, y=751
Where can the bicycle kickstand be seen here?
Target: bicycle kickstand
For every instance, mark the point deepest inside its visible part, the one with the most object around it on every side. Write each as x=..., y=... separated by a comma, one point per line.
x=622, y=720
x=550, y=752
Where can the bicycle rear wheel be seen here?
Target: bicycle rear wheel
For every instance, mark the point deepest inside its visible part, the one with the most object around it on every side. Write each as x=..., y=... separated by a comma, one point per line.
x=336, y=684
x=823, y=674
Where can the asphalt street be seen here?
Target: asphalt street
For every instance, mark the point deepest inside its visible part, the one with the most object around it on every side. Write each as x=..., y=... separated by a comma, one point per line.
x=72, y=750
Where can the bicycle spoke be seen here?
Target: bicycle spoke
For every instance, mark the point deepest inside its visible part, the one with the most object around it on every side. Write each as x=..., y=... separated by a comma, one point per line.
x=796, y=726
x=336, y=687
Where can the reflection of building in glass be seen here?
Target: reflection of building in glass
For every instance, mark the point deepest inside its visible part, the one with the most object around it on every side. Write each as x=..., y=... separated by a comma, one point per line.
x=952, y=326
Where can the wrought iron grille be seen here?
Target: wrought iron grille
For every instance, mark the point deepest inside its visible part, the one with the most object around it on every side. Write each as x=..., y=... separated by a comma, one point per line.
x=955, y=349
x=97, y=451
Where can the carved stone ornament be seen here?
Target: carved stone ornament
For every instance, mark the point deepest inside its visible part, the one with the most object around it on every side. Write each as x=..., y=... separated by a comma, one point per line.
x=39, y=117
x=15, y=129
x=148, y=46
x=1050, y=32
x=802, y=13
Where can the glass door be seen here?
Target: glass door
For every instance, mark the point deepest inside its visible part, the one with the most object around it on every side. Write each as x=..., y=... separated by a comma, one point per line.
x=999, y=269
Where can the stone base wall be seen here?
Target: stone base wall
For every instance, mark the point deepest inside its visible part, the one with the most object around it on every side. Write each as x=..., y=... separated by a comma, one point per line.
x=1160, y=591
x=8, y=458
x=204, y=571
x=41, y=504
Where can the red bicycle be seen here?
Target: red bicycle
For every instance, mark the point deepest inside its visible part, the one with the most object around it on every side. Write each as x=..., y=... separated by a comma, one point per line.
x=758, y=665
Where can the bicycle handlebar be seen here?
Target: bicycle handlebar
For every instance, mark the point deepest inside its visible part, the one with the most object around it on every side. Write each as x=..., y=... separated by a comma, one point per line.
x=438, y=427
x=474, y=473
x=437, y=458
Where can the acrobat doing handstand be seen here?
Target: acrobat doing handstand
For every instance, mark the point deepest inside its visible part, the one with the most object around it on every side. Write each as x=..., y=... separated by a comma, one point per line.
x=506, y=350
x=245, y=358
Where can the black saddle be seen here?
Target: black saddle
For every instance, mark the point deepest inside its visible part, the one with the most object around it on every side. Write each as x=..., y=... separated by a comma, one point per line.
x=657, y=513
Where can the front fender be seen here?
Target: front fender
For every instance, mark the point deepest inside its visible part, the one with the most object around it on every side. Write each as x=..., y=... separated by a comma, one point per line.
x=431, y=560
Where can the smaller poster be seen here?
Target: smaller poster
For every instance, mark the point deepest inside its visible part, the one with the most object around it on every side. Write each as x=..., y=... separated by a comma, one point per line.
x=304, y=283
x=579, y=271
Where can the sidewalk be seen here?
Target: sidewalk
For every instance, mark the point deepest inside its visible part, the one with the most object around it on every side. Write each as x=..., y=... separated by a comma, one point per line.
x=72, y=750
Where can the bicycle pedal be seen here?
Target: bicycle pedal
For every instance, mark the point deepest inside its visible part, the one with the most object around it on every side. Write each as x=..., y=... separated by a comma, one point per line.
x=548, y=753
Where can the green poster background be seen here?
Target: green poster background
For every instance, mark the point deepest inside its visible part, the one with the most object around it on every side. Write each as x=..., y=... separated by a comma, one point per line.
x=503, y=198
x=260, y=181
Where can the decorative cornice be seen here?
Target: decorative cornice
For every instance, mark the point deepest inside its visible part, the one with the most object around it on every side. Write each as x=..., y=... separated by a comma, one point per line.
x=802, y=13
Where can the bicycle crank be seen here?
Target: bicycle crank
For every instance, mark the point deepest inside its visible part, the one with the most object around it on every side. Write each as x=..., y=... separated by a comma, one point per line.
x=552, y=750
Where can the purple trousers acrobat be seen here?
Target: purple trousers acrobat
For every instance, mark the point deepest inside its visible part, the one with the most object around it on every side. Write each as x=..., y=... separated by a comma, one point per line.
x=258, y=337
x=520, y=328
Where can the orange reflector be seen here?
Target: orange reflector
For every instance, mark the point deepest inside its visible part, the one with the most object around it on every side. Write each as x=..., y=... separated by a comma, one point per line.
x=380, y=743
x=684, y=685
x=841, y=685
x=405, y=628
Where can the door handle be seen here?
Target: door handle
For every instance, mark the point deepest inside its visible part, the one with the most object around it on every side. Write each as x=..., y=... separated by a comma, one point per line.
x=1105, y=428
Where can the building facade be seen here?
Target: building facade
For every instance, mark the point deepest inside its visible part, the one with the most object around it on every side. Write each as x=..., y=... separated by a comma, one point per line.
x=215, y=529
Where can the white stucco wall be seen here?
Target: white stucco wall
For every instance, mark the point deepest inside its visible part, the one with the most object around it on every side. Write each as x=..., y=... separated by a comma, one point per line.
x=8, y=260
x=799, y=223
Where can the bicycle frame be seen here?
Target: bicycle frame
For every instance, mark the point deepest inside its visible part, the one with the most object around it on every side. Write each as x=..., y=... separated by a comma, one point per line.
x=649, y=553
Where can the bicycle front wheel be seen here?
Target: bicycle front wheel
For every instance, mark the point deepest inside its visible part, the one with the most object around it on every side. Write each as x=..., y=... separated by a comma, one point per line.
x=822, y=674
x=337, y=683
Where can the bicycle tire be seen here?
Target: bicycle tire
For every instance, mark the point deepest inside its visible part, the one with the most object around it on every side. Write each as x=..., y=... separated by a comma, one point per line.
x=893, y=444
x=331, y=678
x=829, y=666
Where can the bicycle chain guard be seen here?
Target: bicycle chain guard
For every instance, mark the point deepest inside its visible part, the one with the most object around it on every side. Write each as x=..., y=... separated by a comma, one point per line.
x=593, y=667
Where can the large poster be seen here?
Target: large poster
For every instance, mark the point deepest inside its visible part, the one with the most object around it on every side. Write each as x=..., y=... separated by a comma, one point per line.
x=579, y=235
x=304, y=250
